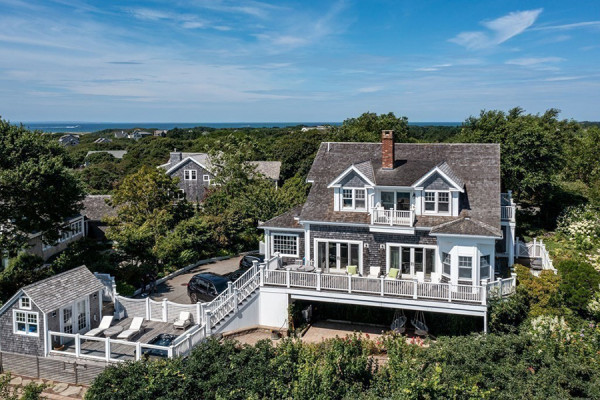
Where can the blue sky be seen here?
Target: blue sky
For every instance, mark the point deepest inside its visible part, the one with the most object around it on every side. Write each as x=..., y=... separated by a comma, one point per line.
x=225, y=61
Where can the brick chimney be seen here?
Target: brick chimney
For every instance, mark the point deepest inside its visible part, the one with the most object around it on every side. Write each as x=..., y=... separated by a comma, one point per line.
x=387, y=149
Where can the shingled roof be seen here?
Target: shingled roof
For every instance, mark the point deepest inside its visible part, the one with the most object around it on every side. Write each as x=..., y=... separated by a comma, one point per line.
x=64, y=288
x=475, y=166
x=288, y=219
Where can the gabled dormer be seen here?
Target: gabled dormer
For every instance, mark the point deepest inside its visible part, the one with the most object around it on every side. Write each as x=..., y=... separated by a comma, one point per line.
x=438, y=192
x=353, y=188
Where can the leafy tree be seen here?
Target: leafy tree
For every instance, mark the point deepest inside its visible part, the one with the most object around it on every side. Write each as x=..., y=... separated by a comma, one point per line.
x=368, y=126
x=22, y=270
x=37, y=191
x=101, y=178
x=97, y=158
x=531, y=148
x=147, y=210
x=540, y=293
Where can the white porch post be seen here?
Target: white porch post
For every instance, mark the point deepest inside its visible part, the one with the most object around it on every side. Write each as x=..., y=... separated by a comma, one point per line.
x=485, y=323
x=415, y=285
x=107, y=349
x=199, y=313
x=208, y=328
x=255, y=266
x=349, y=283
x=483, y=291
x=382, y=278
x=77, y=345
x=236, y=297
x=319, y=279
x=165, y=311
x=138, y=351
x=148, y=308
x=287, y=277
x=262, y=275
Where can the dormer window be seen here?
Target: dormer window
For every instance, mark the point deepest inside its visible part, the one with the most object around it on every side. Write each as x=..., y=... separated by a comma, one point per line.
x=25, y=303
x=437, y=202
x=354, y=199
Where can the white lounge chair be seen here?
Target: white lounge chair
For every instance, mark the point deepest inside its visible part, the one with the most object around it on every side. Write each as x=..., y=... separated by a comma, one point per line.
x=183, y=321
x=134, y=328
x=104, y=325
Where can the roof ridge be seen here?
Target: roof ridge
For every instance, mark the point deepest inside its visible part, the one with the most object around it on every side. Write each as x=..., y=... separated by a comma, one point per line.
x=54, y=276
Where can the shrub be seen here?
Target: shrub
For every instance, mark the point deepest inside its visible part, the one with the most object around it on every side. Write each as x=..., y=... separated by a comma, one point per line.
x=506, y=314
x=541, y=293
x=579, y=281
x=580, y=224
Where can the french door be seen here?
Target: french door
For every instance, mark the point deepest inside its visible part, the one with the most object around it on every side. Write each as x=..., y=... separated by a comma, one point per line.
x=74, y=318
x=412, y=261
x=334, y=256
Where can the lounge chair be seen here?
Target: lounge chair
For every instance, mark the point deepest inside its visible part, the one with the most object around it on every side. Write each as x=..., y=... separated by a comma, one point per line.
x=393, y=273
x=104, y=325
x=134, y=328
x=183, y=321
x=352, y=270
x=374, y=272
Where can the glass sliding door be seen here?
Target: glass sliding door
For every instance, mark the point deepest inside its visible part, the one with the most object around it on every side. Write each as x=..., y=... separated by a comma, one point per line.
x=354, y=256
x=429, y=263
x=412, y=261
x=337, y=256
x=402, y=201
x=322, y=255
x=333, y=258
x=387, y=200
x=344, y=256
x=418, y=257
x=406, y=270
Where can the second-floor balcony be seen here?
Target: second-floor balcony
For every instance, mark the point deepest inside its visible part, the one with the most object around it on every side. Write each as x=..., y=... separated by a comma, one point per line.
x=507, y=207
x=392, y=217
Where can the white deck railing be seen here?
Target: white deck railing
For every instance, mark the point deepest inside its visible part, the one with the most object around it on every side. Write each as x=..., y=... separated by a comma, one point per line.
x=534, y=250
x=392, y=217
x=376, y=286
x=507, y=207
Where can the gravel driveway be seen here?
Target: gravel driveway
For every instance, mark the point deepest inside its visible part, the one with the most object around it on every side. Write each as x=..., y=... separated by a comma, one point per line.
x=175, y=289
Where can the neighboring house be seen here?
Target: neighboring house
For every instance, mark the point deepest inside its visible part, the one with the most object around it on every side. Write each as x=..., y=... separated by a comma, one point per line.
x=138, y=135
x=95, y=209
x=321, y=128
x=195, y=176
x=432, y=211
x=118, y=154
x=103, y=140
x=120, y=134
x=74, y=230
x=160, y=132
x=69, y=140
x=70, y=302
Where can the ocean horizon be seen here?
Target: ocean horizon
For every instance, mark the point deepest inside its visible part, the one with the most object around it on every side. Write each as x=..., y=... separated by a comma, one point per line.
x=88, y=127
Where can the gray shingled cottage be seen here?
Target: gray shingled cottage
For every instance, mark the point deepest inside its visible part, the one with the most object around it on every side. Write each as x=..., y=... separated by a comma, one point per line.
x=69, y=302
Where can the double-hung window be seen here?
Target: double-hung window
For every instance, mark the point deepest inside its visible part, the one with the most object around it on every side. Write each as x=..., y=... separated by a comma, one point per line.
x=437, y=202
x=26, y=323
x=465, y=267
x=446, y=264
x=190, y=175
x=285, y=245
x=484, y=267
x=354, y=199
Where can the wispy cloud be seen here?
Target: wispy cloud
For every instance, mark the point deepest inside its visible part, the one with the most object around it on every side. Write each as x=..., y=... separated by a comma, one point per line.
x=563, y=78
x=565, y=27
x=370, y=89
x=436, y=67
x=528, y=61
x=499, y=30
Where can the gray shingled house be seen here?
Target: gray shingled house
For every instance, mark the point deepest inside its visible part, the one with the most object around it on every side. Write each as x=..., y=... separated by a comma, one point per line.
x=69, y=302
x=431, y=212
x=195, y=175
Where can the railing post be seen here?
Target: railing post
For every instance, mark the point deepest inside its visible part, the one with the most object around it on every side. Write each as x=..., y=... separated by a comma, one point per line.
x=262, y=275
x=165, y=311
x=349, y=283
x=287, y=277
x=254, y=267
x=236, y=297
x=199, y=313
x=382, y=278
x=148, y=313
x=207, y=326
x=513, y=275
x=138, y=351
x=77, y=345
x=107, y=349
x=170, y=352
x=483, y=291
x=319, y=271
x=189, y=340
x=415, y=284
x=230, y=287
x=449, y=292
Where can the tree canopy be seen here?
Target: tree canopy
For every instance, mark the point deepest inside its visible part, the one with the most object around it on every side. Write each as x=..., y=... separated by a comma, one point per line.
x=368, y=126
x=37, y=191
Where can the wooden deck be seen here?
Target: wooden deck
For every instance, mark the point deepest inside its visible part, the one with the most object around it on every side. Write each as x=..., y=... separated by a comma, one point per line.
x=122, y=351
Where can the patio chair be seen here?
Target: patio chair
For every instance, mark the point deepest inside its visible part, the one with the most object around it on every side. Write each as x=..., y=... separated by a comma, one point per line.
x=104, y=325
x=183, y=321
x=393, y=274
x=134, y=328
x=352, y=270
x=374, y=272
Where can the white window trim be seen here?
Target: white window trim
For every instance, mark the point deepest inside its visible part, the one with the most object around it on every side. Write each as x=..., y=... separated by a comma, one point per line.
x=388, y=254
x=353, y=207
x=443, y=259
x=489, y=266
x=206, y=178
x=327, y=241
x=191, y=172
x=437, y=202
x=21, y=306
x=297, y=236
x=27, y=313
x=458, y=277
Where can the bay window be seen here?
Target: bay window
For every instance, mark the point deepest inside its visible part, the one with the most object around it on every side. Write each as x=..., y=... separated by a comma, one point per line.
x=465, y=268
x=446, y=264
x=484, y=267
x=354, y=199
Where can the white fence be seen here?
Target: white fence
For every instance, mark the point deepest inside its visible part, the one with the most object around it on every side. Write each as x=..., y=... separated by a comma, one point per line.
x=110, y=287
x=534, y=250
x=502, y=287
x=164, y=311
x=376, y=286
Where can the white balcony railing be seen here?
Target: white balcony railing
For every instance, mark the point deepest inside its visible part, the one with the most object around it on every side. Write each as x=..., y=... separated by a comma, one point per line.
x=392, y=217
x=507, y=207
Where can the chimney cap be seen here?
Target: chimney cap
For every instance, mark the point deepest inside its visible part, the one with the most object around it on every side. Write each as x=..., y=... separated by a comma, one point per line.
x=387, y=132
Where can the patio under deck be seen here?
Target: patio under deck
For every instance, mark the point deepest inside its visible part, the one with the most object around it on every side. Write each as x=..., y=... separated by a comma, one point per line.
x=97, y=348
